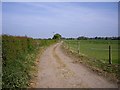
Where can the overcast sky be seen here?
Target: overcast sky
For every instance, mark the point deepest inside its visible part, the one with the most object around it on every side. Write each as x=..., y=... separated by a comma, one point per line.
x=42, y=20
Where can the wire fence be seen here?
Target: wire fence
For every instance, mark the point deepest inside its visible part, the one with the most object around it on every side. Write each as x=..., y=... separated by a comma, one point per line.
x=104, y=50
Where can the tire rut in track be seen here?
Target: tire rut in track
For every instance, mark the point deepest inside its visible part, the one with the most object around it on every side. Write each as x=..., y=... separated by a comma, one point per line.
x=64, y=70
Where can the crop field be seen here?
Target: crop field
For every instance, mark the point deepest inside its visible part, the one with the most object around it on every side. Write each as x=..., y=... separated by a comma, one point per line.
x=96, y=49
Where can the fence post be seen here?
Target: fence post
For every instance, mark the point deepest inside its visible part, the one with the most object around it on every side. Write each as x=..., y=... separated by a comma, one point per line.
x=110, y=59
x=78, y=47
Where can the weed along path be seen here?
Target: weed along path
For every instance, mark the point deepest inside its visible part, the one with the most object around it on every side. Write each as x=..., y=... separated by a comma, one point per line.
x=56, y=70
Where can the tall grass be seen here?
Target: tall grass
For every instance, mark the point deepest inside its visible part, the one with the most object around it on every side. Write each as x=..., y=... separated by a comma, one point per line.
x=19, y=54
x=0, y=62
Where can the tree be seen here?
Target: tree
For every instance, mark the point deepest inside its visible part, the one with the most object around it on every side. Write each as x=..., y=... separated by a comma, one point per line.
x=82, y=38
x=57, y=36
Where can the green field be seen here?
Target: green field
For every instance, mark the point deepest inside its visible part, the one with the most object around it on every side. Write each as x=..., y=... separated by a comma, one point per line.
x=96, y=49
x=95, y=55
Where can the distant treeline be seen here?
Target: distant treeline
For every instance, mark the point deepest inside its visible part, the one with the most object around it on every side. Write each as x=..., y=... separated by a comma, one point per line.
x=96, y=38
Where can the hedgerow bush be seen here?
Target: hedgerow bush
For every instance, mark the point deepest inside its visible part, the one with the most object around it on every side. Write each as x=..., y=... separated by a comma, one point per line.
x=18, y=56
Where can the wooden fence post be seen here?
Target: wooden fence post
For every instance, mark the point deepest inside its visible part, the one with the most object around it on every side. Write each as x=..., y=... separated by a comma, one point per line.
x=78, y=47
x=110, y=59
